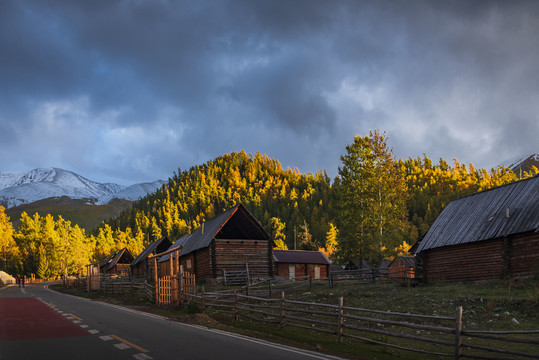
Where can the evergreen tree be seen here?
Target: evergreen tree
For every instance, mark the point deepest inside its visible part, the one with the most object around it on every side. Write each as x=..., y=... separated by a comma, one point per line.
x=9, y=252
x=371, y=195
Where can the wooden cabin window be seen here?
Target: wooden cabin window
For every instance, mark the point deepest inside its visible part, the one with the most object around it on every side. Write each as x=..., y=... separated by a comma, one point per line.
x=188, y=264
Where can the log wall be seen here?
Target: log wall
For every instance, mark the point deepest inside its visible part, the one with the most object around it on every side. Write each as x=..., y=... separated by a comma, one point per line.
x=232, y=255
x=483, y=260
x=283, y=270
x=525, y=255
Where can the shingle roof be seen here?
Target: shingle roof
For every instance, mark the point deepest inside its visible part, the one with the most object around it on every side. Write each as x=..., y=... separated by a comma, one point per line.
x=149, y=249
x=300, y=257
x=409, y=261
x=498, y=212
x=111, y=261
x=204, y=234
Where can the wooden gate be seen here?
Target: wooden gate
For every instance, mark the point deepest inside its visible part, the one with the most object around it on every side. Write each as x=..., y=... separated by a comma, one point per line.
x=188, y=285
x=166, y=286
x=164, y=293
x=92, y=277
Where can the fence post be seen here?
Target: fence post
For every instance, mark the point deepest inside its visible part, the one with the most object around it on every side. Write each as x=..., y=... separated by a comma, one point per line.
x=156, y=281
x=180, y=284
x=310, y=282
x=341, y=319
x=202, y=299
x=224, y=276
x=373, y=276
x=269, y=287
x=281, y=322
x=458, y=333
x=235, y=305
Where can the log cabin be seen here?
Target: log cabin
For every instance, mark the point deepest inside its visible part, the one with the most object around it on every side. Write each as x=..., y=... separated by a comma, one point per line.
x=402, y=267
x=493, y=234
x=291, y=264
x=227, y=242
x=118, y=263
x=141, y=266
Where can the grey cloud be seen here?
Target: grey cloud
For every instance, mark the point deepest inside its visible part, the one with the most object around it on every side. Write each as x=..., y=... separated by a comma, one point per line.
x=276, y=69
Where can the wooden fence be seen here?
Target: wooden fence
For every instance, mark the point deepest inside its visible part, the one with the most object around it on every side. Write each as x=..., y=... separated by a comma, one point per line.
x=439, y=336
x=124, y=285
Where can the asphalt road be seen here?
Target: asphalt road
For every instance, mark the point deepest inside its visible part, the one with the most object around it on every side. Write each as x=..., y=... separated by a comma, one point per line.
x=38, y=323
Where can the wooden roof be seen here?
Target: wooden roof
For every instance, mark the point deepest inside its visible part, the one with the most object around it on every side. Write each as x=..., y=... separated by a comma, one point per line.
x=300, y=257
x=498, y=212
x=235, y=223
x=123, y=256
x=161, y=245
x=408, y=261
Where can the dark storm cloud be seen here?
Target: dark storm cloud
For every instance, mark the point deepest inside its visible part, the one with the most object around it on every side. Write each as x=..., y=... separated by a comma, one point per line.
x=127, y=89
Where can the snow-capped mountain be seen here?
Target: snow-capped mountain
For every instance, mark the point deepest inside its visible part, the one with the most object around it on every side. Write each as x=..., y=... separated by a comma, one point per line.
x=522, y=163
x=18, y=188
x=133, y=192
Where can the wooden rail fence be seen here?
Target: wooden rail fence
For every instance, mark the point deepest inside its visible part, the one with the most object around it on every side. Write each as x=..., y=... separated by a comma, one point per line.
x=439, y=336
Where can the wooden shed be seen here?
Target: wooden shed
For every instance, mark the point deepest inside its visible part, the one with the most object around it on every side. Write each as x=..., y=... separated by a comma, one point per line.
x=492, y=234
x=296, y=263
x=228, y=242
x=117, y=263
x=141, y=266
x=402, y=267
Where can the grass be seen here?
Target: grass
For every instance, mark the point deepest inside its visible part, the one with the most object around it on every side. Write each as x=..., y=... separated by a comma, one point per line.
x=488, y=305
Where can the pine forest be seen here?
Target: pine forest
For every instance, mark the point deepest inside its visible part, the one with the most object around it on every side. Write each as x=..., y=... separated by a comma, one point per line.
x=376, y=207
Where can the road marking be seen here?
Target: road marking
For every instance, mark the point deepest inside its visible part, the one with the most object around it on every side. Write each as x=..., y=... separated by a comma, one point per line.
x=122, y=346
x=76, y=321
x=130, y=343
x=84, y=326
x=106, y=337
x=76, y=317
x=142, y=356
x=93, y=332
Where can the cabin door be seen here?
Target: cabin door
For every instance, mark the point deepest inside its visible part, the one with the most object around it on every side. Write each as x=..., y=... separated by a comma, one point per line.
x=291, y=271
x=317, y=272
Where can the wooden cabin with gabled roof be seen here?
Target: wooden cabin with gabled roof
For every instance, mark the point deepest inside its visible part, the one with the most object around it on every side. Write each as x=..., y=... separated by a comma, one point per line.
x=492, y=234
x=118, y=263
x=292, y=264
x=141, y=266
x=227, y=242
x=402, y=267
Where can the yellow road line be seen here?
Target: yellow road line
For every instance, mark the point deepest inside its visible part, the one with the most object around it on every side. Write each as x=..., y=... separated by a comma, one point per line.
x=129, y=343
x=76, y=317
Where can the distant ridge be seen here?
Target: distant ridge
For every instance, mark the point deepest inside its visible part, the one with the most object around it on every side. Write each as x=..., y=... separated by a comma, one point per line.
x=17, y=188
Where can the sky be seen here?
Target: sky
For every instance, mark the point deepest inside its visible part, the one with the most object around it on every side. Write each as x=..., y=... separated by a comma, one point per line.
x=130, y=91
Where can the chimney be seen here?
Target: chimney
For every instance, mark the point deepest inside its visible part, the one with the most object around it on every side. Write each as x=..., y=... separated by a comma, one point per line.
x=507, y=213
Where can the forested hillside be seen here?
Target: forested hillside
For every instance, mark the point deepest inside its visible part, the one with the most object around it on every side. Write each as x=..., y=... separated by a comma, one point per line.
x=287, y=203
x=302, y=211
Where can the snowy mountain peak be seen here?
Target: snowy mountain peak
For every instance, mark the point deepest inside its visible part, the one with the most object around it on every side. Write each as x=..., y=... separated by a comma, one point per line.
x=522, y=163
x=17, y=188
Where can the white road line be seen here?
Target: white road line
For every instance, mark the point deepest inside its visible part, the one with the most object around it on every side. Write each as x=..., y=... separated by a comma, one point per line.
x=76, y=321
x=122, y=346
x=84, y=326
x=106, y=337
x=93, y=332
x=142, y=356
